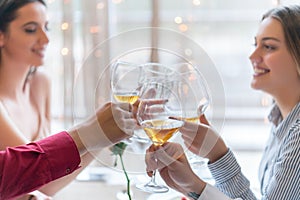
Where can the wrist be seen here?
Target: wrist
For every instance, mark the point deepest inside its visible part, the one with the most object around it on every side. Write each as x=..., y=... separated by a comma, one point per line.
x=217, y=152
x=81, y=148
x=90, y=135
x=196, y=189
x=193, y=195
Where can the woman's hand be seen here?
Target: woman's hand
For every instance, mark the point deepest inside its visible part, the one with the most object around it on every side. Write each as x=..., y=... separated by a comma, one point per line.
x=174, y=168
x=203, y=140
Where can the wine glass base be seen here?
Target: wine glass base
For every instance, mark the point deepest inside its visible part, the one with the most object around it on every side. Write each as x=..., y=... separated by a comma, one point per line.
x=152, y=188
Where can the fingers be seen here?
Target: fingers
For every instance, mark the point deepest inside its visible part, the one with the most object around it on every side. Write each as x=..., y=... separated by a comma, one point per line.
x=194, y=131
x=150, y=159
x=160, y=157
x=135, y=108
x=150, y=93
x=203, y=120
x=123, y=106
x=124, y=118
x=189, y=132
x=198, y=138
x=151, y=102
x=168, y=154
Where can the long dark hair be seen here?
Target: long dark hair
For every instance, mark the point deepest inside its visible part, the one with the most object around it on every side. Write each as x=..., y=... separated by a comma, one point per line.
x=8, y=11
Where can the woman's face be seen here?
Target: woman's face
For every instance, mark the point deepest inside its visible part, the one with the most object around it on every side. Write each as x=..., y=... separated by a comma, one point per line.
x=275, y=70
x=26, y=39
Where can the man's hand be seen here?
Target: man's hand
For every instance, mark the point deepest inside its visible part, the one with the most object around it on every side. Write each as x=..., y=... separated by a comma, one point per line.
x=110, y=124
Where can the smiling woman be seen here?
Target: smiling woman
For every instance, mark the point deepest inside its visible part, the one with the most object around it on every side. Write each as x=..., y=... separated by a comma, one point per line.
x=272, y=60
x=24, y=90
x=24, y=87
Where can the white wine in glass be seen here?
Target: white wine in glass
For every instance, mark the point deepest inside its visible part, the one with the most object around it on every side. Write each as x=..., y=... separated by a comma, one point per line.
x=160, y=131
x=124, y=82
x=126, y=88
x=126, y=97
x=158, y=113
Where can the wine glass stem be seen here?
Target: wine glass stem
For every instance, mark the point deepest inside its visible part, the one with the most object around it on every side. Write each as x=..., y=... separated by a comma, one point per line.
x=153, y=177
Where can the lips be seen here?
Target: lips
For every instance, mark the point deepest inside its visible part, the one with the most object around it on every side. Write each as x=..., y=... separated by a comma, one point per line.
x=260, y=71
x=39, y=52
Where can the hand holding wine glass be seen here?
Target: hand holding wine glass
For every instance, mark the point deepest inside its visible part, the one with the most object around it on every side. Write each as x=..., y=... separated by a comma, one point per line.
x=125, y=85
x=156, y=115
x=195, y=100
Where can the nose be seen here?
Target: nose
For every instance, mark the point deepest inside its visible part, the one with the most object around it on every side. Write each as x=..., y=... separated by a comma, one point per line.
x=255, y=57
x=44, y=39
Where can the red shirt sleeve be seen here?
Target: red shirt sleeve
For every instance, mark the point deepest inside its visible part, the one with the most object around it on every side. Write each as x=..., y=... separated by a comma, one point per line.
x=27, y=167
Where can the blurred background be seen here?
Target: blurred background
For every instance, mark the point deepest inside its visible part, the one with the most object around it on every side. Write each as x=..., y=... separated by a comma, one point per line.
x=225, y=29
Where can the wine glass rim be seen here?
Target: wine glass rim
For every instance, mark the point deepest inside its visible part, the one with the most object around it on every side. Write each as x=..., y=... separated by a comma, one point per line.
x=125, y=63
x=146, y=65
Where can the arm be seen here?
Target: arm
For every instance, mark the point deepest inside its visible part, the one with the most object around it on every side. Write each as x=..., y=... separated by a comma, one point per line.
x=108, y=120
x=229, y=177
x=204, y=141
x=46, y=163
x=283, y=183
x=59, y=155
x=102, y=122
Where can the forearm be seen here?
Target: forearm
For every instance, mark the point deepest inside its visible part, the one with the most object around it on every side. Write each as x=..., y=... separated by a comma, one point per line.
x=38, y=163
x=76, y=138
x=55, y=186
x=229, y=178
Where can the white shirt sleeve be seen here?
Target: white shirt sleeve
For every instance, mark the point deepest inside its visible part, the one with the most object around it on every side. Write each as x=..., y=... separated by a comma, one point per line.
x=212, y=193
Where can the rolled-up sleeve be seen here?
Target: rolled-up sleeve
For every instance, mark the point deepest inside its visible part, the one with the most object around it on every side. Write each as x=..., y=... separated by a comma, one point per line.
x=27, y=167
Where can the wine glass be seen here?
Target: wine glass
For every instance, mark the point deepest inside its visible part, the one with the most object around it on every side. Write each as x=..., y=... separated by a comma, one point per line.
x=155, y=72
x=195, y=100
x=151, y=72
x=158, y=113
x=124, y=82
x=125, y=87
